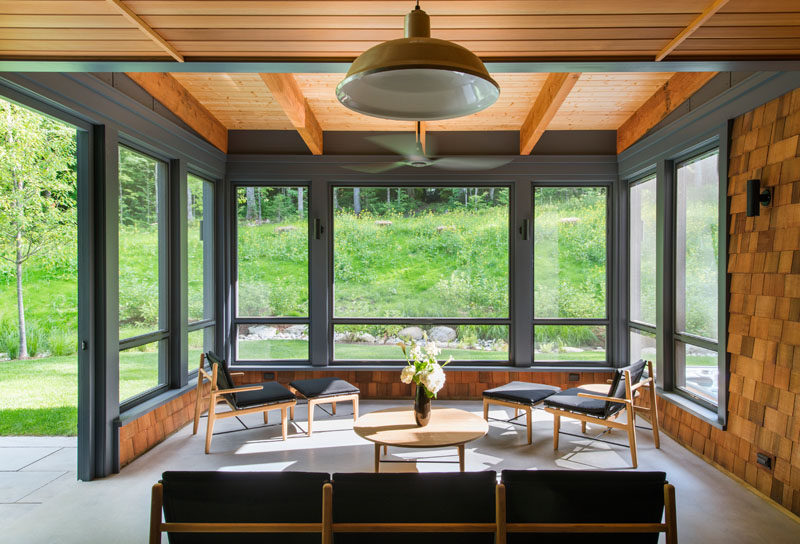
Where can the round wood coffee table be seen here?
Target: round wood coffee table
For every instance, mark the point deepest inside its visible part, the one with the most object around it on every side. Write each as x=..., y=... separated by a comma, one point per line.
x=396, y=427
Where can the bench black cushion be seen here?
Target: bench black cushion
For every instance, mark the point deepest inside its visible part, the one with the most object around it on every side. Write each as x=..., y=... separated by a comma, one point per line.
x=522, y=392
x=271, y=393
x=569, y=400
x=409, y=497
x=584, y=496
x=323, y=387
x=243, y=497
x=224, y=378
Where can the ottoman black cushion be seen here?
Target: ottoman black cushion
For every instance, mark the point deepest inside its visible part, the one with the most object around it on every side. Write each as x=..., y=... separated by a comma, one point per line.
x=323, y=387
x=271, y=393
x=522, y=392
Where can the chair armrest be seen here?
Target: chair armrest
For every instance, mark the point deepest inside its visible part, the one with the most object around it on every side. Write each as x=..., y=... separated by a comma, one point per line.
x=238, y=389
x=643, y=383
x=607, y=399
x=237, y=373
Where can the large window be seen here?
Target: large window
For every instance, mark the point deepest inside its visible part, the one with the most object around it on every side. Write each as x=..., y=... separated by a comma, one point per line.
x=642, y=268
x=409, y=261
x=697, y=276
x=142, y=273
x=271, y=318
x=200, y=250
x=570, y=273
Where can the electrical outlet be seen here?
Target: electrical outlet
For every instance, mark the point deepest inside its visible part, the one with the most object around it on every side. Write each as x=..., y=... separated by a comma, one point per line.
x=269, y=376
x=574, y=376
x=765, y=460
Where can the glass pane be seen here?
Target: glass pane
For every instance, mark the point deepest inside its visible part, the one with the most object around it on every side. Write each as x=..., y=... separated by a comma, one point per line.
x=463, y=342
x=272, y=251
x=271, y=342
x=569, y=252
x=420, y=252
x=569, y=343
x=643, y=252
x=200, y=247
x=697, y=247
x=200, y=341
x=138, y=369
x=696, y=370
x=642, y=346
x=141, y=184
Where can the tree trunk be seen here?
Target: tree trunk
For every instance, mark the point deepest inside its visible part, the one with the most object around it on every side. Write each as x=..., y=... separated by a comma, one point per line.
x=388, y=196
x=491, y=194
x=357, y=200
x=300, y=201
x=23, y=341
x=250, y=196
x=189, y=211
x=335, y=199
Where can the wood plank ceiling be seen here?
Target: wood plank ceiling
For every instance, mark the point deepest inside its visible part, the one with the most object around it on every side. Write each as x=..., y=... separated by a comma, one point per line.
x=342, y=29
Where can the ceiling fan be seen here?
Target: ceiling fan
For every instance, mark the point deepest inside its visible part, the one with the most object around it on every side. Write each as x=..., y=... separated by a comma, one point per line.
x=415, y=154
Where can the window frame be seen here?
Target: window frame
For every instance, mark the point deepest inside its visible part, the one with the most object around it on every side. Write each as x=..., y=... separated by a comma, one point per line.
x=209, y=297
x=428, y=321
x=235, y=319
x=162, y=335
x=605, y=321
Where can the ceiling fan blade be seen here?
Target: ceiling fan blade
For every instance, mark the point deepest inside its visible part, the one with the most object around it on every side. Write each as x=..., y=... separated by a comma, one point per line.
x=401, y=143
x=470, y=163
x=374, y=168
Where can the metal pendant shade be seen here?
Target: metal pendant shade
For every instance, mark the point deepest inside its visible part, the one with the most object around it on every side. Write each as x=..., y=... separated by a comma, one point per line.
x=417, y=78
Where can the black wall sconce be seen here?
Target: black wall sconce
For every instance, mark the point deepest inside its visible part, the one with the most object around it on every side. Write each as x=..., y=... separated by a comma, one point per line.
x=754, y=198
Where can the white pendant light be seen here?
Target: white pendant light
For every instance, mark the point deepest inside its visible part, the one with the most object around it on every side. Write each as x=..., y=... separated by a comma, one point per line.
x=417, y=78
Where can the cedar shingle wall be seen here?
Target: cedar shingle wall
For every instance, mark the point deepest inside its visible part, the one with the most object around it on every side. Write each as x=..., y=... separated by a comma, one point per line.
x=763, y=330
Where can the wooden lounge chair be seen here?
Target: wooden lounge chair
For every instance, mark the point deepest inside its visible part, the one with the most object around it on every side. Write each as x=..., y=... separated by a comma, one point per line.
x=249, y=399
x=590, y=407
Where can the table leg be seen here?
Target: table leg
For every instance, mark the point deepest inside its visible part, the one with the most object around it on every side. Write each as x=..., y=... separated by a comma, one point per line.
x=461, y=457
x=377, y=457
x=385, y=449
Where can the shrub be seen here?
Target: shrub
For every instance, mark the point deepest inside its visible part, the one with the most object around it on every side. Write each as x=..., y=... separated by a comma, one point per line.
x=62, y=342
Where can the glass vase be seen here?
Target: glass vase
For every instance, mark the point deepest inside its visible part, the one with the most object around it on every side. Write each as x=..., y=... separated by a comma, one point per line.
x=422, y=407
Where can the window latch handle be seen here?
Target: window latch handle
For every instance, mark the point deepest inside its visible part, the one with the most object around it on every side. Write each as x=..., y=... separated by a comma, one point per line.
x=318, y=228
x=524, y=229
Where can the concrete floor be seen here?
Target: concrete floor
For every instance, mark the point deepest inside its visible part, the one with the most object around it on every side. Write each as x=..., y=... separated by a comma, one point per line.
x=49, y=506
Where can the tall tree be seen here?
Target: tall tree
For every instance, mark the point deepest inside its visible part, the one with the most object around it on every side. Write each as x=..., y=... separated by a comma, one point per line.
x=300, y=201
x=250, y=193
x=357, y=200
x=37, y=183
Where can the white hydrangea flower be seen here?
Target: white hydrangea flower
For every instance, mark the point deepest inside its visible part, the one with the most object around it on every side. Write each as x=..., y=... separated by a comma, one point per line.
x=433, y=378
x=416, y=353
x=432, y=349
x=407, y=375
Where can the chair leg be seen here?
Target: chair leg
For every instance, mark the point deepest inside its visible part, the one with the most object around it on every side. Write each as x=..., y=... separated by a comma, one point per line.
x=516, y=412
x=654, y=415
x=632, y=434
x=529, y=418
x=486, y=409
x=210, y=427
x=310, y=416
x=291, y=412
x=556, y=428
x=266, y=417
x=333, y=408
x=583, y=427
x=355, y=408
x=198, y=400
x=283, y=422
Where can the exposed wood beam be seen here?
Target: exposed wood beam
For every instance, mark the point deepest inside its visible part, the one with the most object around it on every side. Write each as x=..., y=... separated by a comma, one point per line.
x=144, y=27
x=665, y=100
x=286, y=91
x=554, y=91
x=174, y=96
x=698, y=21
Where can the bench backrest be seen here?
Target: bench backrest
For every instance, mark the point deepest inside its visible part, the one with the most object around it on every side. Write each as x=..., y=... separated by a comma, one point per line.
x=243, y=497
x=583, y=497
x=402, y=499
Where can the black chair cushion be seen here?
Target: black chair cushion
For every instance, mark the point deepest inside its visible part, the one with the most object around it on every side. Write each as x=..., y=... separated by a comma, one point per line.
x=271, y=393
x=636, y=370
x=323, y=387
x=245, y=497
x=522, y=392
x=409, y=497
x=582, y=496
x=224, y=378
x=569, y=400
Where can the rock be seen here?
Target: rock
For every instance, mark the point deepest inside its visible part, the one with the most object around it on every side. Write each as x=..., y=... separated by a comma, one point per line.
x=296, y=330
x=383, y=223
x=411, y=333
x=442, y=334
x=262, y=332
x=570, y=349
x=440, y=228
x=287, y=228
x=569, y=220
x=364, y=337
